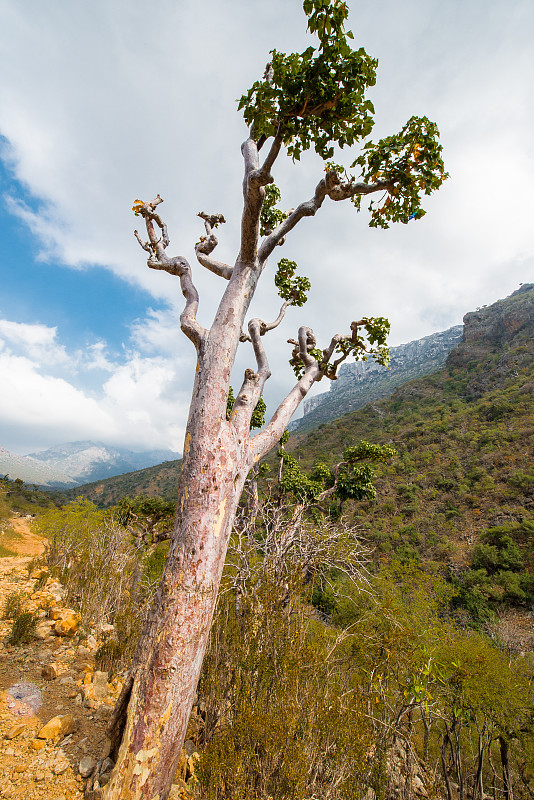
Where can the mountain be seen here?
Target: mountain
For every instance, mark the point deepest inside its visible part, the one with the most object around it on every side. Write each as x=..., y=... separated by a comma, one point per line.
x=31, y=470
x=158, y=481
x=90, y=461
x=364, y=382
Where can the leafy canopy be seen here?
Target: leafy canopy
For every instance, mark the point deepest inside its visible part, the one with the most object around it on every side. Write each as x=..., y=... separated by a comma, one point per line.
x=317, y=99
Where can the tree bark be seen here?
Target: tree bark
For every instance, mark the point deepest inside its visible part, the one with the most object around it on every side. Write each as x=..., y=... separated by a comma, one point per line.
x=150, y=720
x=506, y=774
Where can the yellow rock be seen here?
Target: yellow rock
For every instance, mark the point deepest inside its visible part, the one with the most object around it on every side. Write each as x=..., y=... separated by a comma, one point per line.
x=58, y=726
x=68, y=626
x=16, y=730
x=37, y=744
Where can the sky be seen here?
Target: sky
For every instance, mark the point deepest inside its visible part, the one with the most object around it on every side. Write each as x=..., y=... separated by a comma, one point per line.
x=108, y=101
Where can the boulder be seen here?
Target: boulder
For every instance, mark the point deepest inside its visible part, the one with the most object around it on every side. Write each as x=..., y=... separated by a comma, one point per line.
x=68, y=625
x=58, y=726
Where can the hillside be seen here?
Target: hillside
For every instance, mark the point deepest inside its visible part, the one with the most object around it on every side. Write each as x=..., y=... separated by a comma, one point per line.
x=470, y=412
x=160, y=480
x=363, y=382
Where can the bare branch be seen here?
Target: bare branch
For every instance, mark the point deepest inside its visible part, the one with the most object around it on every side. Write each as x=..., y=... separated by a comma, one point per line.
x=272, y=155
x=208, y=243
x=331, y=186
x=270, y=326
x=178, y=265
x=262, y=442
x=253, y=384
x=255, y=179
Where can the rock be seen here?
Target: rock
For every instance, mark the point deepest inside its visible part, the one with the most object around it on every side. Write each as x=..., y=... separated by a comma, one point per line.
x=49, y=671
x=61, y=766
x=68, y=626
x=107, y=765
x=87, y=766
x=83, y=651
x=44, y=629
x=37, y=744
x=189, y=747
x=100, y=678
x=16, y=730
x=191, y=765
x=92, y=644
x=106, y=628
x=58, y=726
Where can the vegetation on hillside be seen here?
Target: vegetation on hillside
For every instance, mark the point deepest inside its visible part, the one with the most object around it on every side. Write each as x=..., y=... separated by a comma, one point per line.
x=321, y=679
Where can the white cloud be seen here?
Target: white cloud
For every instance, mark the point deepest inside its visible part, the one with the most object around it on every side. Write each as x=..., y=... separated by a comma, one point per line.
x=44, y=402
x=110, y=103
x=38, y=342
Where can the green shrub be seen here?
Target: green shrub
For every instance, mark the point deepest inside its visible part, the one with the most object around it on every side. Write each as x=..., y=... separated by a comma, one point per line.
x=24, y=626
x=13, y=605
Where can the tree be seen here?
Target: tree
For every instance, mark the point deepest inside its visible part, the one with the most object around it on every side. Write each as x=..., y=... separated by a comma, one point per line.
x=310, y=99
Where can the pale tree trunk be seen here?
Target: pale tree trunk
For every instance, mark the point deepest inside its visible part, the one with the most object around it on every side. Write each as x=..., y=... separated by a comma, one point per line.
x=150, y=719
x=506, y=773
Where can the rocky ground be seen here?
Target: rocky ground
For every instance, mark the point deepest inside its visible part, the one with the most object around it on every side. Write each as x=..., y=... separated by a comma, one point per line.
x=54, y=703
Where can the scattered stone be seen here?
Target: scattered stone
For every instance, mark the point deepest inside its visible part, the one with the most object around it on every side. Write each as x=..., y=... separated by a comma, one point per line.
x=61, y=766
x=58, y=726
x=87, y=766
x=28, y=694
x=49, y=672
x=92, y=644
x=16, y=730
x=68, y=625
x=37, y=744
x=83, y=651
x=107, y=628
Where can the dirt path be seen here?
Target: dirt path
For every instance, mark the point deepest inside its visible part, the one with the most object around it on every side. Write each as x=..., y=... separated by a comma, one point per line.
x=30, y=767
x=30, y=544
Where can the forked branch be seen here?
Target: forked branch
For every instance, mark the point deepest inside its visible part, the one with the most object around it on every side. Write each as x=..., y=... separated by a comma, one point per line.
x=208, y=243
x=253, y=383
x=158, y=259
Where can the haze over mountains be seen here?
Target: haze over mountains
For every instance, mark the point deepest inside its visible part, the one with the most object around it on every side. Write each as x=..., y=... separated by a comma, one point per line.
x=74, y=463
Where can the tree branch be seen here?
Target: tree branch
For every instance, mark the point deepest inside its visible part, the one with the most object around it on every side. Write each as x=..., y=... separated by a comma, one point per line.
x=264, y=441
x=208, y=243
x=255, y=179
x=253, y=384
x=331, y=186
x=267, y=326
x=158, y=259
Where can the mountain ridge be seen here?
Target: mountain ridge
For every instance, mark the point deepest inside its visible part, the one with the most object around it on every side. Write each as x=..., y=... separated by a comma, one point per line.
x=75, y=463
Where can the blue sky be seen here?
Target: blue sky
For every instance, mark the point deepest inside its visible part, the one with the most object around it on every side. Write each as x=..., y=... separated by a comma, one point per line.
x=84, y=303
x=111, y=102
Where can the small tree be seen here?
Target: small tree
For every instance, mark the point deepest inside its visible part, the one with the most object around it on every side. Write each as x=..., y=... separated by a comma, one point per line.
x=310, y=99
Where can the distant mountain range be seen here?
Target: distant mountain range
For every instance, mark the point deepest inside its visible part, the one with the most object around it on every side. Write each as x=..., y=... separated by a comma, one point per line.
x=75, y=463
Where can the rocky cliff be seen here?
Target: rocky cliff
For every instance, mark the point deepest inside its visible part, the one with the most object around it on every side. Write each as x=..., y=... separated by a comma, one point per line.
x=363, y=382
